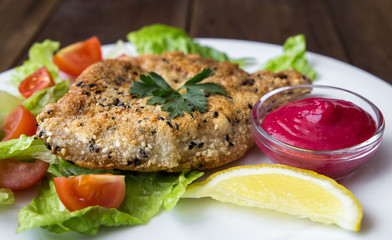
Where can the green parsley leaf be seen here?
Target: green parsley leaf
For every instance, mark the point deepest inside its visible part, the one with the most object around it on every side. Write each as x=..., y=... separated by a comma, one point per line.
x=176, y=106
x=148, y=84
x=172, y=101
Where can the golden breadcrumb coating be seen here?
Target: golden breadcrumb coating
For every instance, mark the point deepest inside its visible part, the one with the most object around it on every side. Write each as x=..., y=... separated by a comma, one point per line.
x=99, y=124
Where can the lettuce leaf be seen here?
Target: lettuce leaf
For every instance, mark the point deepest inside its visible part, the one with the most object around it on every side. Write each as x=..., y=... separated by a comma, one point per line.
x=63, y=168
x=40, y=54
x=146, y=194
x=26, y=149
x=36, y=102
x=6, y=196
x=158, y=38
x=293, y=57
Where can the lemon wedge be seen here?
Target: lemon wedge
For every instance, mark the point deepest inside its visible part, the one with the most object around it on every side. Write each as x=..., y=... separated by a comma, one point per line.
x=291, y=190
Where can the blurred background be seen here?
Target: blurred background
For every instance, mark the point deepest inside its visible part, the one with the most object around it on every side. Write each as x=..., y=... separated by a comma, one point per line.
x=357, y=32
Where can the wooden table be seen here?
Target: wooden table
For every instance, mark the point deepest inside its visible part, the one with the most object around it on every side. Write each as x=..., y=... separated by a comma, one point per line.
x=355, y=31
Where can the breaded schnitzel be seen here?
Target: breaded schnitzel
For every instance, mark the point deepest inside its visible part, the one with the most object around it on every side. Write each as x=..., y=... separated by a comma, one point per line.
x=99, y=124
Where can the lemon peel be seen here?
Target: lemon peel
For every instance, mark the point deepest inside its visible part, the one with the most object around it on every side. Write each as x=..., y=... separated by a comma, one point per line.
x=287, y=189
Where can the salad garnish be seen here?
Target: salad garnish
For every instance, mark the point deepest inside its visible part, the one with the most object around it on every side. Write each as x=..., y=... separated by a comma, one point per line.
x=293, y=57
x=146, y=193
x=158, y=38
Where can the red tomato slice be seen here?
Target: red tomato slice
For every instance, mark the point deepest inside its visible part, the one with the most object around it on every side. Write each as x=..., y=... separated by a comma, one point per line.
x=14, y=174
x=38, y=80
x=17, y=175
x=19, y=121
x=78, y=56
x=78, y=192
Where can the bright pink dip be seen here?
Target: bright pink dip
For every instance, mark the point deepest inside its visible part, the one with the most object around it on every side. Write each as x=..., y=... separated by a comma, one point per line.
x=320, y=124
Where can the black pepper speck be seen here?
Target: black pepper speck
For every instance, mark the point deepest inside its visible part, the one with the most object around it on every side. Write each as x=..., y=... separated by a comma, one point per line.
x=143, y=154
x=91, y=85
x=137, y=162
x=227, y=138
x=48, y=146
x=249, y=82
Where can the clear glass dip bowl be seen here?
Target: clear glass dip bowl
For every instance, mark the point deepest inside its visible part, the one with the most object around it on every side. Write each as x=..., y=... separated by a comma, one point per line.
x=333, y=163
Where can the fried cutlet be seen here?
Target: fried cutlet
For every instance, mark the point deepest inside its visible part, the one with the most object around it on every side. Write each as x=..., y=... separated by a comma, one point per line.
x=99, y=124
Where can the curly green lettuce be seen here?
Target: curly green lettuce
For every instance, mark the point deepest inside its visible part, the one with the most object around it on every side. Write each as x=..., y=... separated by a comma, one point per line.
x=146, y=194
x=40, y=54
x=293, y=57
x=158, y=38
x=36, y=102
x=26, y=149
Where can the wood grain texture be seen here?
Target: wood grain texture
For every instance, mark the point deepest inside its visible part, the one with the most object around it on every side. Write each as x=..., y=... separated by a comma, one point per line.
x=111, y=20
x=269, y=21
x=358, y=32
x=76, y=20
x=20, y=22
x=366, y=29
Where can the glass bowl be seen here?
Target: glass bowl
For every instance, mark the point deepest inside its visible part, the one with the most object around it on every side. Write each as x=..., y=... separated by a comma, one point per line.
x=333, y=163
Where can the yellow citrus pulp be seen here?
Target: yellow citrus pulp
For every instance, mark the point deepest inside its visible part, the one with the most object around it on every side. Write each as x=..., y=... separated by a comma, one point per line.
x=283, y=188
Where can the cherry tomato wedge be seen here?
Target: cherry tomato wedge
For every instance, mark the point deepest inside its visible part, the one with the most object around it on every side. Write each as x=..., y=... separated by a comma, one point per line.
x=78, y=192
x=38, y=80
x=19, y=121
x=14, y=174
x=17, y=175
x=74, y=58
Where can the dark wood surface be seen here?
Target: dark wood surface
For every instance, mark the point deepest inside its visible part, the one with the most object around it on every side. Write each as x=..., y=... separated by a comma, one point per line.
x=357, y=32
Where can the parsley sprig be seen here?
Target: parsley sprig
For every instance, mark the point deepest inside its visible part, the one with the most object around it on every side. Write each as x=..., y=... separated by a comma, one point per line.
x=160, y=92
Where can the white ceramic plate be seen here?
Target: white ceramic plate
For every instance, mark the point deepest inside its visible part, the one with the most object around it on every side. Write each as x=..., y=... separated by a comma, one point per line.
x=208, y=219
